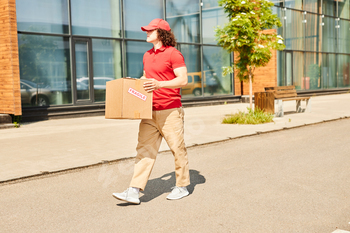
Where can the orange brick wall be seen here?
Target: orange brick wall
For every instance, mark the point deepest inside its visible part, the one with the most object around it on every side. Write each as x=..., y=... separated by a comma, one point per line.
x=263, y=76
x=10, y=94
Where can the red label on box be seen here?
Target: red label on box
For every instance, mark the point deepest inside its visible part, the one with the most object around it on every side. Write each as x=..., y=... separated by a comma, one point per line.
x=137, y=94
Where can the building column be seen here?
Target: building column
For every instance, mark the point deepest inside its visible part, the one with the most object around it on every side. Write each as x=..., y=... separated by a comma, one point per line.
x=10, y=93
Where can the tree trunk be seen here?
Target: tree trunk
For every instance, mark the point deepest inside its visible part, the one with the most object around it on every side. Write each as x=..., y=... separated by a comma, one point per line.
x=250, y=92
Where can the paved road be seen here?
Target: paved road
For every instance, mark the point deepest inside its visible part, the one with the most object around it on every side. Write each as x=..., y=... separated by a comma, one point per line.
x=289, y=181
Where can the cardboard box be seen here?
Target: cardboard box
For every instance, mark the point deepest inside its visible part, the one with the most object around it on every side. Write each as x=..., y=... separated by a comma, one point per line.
x=126, y=99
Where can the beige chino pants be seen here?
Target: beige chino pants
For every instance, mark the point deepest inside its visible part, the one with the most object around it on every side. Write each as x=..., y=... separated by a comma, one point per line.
x=170, y=125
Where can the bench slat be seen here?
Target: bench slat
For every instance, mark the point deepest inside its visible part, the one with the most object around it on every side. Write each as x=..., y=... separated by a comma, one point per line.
x=297, y=98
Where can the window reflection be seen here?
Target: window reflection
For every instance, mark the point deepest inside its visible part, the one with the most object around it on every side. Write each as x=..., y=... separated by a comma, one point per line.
x=294, y=30
x=191, y=54
x=134, y=57
x=139, y=13
x=343, y=70
x=214, y=58
x=313, y=22
x=96, y=18
x=328, y=33
x=183, y=17
x=34, y=16
x=107, y=64
x=44, y=70
x=212, y=16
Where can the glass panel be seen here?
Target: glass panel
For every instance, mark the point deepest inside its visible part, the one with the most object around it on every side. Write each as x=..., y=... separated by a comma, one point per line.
x=313, y=71
x=82, y=70
x=344, y=9
x=311, y=5
x=214, y=58
x=96, y=18
x=183, y=17
x=278, y=2
x=344, y=36
x=328, y=71
x=192, y=57
x=298, y=70
x=289, y=72
x=212, y=16
x=107, y=63
x=329, y=7
x=44, y=70
x=343, y=71
x=294, y=30
x=312, y=32
x=50, y=16
x=281, y=68
x=328, y=32
x=139, y=13
x=295, y=4
x=134, y=57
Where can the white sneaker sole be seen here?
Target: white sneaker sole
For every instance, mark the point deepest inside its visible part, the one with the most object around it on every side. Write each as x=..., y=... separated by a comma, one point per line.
x=177, y=198
x=129, y=201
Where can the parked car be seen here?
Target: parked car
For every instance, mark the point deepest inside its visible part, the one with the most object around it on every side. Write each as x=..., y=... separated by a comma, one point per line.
x=34, y=94
x=99, y=83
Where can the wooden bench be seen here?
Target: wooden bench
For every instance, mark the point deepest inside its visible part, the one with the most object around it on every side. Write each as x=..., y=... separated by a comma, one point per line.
x=273, y=97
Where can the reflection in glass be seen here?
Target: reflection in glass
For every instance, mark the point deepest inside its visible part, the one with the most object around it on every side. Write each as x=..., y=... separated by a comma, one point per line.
x=280, y=68
x=295, y=4
x=278, y=2
x=134, y=57
x=96, y=18
x=328, y=33
x=343, y=70
x=138, y=13
x=311, y=5
x=44, y=70
x=329, y=7
x=107, y=63
x=289, y=73
x=328, y=71
x=313, y=71
x=183, y=17
x=312, y=32
x=294, y=30
x=82, y=70
x=191, y=54
x=344, y=9
x=214, y=58
x=34, y=16
x=344, y=36
x=298, y=70
x=212, y=16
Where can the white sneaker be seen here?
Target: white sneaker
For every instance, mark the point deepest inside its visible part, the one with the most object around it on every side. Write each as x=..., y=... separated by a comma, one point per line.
x=177, y=193
x=128, y=195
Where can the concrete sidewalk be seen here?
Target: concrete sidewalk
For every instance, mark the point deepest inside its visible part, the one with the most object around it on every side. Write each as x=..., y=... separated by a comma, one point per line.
x=56, y=145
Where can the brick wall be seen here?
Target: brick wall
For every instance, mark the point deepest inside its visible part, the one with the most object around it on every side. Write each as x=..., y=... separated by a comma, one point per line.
x=10, y=94
x=263, y=76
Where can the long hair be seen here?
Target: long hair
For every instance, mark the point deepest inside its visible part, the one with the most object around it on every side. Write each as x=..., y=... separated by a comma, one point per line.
x=166, y=37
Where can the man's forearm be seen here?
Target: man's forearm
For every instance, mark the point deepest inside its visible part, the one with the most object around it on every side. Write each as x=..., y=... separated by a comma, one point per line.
x=177, y=82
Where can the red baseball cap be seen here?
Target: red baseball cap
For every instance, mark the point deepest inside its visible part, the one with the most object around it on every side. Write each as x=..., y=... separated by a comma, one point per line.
x=156, y=23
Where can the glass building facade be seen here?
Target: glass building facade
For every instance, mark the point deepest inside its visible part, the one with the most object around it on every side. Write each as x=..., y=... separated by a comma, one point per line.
x=69, y=49
x=317, y=39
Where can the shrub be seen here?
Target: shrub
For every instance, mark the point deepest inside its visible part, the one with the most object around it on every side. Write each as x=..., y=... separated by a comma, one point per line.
x=253, y=117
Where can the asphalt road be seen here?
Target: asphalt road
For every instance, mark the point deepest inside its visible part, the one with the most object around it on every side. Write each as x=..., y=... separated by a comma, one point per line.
x=294, y=180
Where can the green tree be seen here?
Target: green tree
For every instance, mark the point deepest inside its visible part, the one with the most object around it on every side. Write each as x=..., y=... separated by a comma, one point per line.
x=244, y=35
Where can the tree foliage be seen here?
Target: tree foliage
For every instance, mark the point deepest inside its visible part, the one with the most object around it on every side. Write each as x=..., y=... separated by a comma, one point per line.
x=244, y=35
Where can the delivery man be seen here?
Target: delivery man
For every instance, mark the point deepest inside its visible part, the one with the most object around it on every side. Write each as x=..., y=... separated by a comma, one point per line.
x=166, y=70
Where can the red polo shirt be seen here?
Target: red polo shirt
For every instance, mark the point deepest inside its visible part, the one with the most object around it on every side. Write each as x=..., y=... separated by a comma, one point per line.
x=160, y=65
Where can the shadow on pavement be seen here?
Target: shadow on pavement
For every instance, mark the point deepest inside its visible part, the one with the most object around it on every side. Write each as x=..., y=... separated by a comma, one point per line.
x=163, y=184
